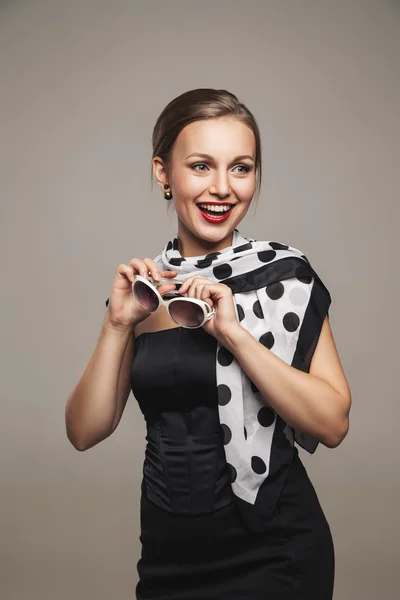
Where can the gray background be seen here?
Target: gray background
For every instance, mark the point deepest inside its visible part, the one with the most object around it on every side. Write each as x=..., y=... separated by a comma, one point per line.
x=82, y=84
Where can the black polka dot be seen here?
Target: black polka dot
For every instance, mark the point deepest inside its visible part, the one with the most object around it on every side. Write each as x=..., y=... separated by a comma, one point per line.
x=265, y=416
x=245, y=433
x=305, y=258
x=278, y=246
x=291, y=321
x=302, y=274
x=266, y=255
x=207, y=260
x=254, y=388
x=267, y=339
x=212, y=255
x=257, y=310
x=203, y=263
x=258, y=465
x=224, y=356
x=176, y=261
x=169, y=246
x=222, y=271
x=275, y=290
x=224, y=394
x=243, y=247
x=175, y=244
x=227, y=433
x=240, y=312
x=232, y=472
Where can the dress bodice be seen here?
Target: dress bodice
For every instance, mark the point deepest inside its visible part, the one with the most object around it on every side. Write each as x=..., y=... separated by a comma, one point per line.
x=173, y=378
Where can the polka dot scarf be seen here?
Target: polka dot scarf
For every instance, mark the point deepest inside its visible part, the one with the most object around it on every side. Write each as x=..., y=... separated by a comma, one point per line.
x=282, y=302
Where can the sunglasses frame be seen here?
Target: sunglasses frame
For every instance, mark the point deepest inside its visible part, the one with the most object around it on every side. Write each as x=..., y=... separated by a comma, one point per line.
x=208, y=312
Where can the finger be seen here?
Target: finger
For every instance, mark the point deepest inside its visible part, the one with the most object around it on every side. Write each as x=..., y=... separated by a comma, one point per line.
x=153, y=269
x=133, y=268
x=188, y=282
x=184, y=286
x=126, y=271
x=205, y=295
x=139, y=267
x=199, y=290
x=166, y=278
x=165, y=287
x=191, y=293
x=162, y=274
x=157, y=275
x=169, y=274
x=202, y=293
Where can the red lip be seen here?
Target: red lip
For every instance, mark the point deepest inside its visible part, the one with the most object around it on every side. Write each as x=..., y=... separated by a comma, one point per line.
x=211, y=219
x=216, y=203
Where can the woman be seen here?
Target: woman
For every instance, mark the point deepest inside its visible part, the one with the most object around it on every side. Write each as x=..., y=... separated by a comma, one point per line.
x=231, y=363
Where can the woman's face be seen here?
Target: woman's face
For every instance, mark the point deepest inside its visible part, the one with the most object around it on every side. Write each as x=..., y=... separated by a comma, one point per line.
x=225, y=176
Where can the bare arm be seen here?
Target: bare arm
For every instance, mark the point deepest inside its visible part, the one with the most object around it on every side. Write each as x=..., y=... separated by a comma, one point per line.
x=94, y=408
x=317, y=402
x=124, y=381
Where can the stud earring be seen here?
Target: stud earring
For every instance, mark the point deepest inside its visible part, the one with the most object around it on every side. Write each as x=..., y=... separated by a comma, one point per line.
x=167, y=195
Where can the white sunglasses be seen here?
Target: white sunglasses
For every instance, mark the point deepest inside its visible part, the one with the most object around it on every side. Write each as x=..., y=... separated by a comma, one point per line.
x=186, y=312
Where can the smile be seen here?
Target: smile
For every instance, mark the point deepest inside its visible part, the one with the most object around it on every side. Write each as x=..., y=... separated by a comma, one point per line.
x=215, y=216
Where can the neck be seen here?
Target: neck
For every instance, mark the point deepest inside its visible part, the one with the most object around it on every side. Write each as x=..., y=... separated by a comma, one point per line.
x=191, y=245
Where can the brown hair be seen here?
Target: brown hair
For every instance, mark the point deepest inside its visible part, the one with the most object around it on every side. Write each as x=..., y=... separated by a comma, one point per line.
x=197, y=105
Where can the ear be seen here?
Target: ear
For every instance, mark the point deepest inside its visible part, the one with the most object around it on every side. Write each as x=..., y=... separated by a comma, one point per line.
x=159, y=172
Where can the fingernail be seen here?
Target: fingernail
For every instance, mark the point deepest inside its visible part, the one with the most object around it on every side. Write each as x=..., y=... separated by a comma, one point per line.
x=157, y=276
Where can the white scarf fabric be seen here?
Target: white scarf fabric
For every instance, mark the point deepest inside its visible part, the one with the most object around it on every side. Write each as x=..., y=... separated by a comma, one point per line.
x=282, y=302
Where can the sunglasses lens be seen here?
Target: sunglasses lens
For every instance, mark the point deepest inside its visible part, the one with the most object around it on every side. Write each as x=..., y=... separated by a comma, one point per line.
x=145, y=296
x=186, y=313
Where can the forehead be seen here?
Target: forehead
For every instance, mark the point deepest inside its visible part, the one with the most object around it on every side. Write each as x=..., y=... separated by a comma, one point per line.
x=218, y=137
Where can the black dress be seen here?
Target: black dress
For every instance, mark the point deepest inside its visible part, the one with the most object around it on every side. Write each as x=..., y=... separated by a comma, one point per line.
x=194, y=544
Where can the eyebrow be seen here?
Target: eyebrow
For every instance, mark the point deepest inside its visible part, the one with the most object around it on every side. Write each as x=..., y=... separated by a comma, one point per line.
x=202, y=155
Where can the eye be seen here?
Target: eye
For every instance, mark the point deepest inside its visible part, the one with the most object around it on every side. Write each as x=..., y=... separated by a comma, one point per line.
x=198, y=165
x=247, y=169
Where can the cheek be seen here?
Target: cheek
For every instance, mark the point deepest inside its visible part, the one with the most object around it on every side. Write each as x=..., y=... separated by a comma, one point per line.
x=247, y=195
x=244, y=192
x=249, y=186
x=188, y=189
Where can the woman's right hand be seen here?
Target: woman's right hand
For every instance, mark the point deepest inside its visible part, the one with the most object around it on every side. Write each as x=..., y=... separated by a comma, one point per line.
x=123, y=311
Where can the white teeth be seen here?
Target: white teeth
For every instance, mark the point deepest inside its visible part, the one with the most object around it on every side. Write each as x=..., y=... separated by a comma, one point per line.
x=216, y=208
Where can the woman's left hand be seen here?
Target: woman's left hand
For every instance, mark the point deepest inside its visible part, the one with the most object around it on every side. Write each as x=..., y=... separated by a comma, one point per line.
x=217, y=295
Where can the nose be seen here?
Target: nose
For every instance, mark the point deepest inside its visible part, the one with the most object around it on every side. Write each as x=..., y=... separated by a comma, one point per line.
x=220, y=185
